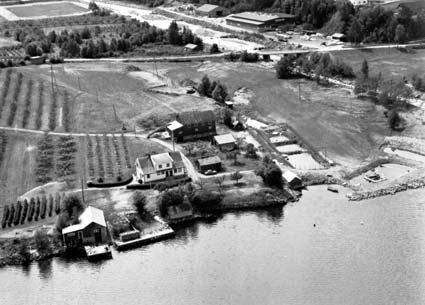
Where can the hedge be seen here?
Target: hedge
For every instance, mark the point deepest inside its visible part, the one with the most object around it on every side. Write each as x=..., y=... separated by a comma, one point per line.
x=57, y=203
x=6, y=213
x=24, y=211
x=51, y=203
x=17, y=217
x=43, y=207
x=37, y=209
x=11, y=215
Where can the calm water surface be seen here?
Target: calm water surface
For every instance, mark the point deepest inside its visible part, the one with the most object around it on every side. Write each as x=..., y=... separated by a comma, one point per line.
x=371, y=252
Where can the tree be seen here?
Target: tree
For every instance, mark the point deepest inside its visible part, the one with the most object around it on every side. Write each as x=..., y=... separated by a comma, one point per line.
x=205, y=201
x=85, y=33
x=284, y=67
x=219, y=93
x=355, y=32
x=219, y=181
x=236, y=176
x=139, y=202
x=394, y=119
x=173, y=34
x=365, y=69
x=400, y=34
x=204, y=86
x=251, y=152
x=170, y=198
x=71, y=204
x=270, y=173
x=42, y=242
x=214, y=49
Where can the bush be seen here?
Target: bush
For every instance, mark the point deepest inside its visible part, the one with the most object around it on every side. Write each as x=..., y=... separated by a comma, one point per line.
x=72, y=204
x=42, y=242
x=214, y=49
x=170, y=198
x=249, y=57
x=206, y=201
x=139, y=202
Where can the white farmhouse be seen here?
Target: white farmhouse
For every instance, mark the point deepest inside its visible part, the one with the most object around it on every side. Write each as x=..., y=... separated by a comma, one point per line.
x=154, y=168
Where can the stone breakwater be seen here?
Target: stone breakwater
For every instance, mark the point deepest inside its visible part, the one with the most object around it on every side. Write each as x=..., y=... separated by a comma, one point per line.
x=414, y=184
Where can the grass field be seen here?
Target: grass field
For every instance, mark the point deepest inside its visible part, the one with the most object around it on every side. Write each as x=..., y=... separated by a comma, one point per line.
x=328, y=118
x=392, y=63
x=53, y=9
x=106, y=96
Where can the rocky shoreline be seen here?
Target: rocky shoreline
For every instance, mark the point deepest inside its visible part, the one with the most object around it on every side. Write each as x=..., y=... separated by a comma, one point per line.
x=411, y=185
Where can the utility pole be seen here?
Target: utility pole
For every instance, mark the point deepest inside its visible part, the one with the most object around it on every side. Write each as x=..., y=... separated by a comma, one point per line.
x=172, y=140
x=79, y=84
x=82, y=191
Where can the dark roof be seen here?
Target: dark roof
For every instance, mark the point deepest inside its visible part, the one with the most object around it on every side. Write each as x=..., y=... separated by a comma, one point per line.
x=209, y=161
x=195, y=117
x=177, y=158
x=146, y=165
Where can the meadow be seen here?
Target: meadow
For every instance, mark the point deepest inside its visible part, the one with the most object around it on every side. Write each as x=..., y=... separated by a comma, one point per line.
x=52, y=9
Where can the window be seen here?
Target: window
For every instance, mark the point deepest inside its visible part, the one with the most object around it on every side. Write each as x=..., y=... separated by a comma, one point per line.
x=148, y=176
x=168, y=165
x=175, y=170
x=160, y=166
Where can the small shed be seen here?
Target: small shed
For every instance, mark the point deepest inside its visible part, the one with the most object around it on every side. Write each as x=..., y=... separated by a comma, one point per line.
x=225, y=142
x=90, y=230
x=338, y=36
x=210, y=10
x=210, y=163
x=293, y=181
x=190, y=47
x=37, y=60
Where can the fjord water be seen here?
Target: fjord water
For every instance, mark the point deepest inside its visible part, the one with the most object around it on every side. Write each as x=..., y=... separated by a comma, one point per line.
x=320, y=250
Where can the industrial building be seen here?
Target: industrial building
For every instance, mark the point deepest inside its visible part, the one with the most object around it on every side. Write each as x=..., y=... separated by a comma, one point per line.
x=259, y=21
x=210, y=10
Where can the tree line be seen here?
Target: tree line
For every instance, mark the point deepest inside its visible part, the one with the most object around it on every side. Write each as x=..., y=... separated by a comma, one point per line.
x=91, y=43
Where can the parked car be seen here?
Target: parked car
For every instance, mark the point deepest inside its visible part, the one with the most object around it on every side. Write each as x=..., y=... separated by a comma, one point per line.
x=210, y=172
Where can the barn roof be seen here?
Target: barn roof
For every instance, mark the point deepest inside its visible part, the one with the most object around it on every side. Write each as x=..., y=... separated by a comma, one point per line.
x=209, y=161
x=224, y=139
x=195, y=117
x=206, y=8
x=89, y=216
x=290, y=176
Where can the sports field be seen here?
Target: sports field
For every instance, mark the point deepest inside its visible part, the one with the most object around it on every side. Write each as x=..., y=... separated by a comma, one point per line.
x=43, y=10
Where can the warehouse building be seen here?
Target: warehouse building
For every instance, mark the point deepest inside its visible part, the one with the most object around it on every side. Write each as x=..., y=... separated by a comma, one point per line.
x=259, y=21
x=210, y=10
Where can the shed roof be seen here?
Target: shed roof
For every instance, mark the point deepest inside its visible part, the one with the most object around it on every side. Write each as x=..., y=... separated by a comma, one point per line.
x=209, y=161
x=256, y=16
x=206, y=8
x=224, y=139
x=290, y=176
x=191, y=46
x=195, y=117
x=174, y=125
x=90, y=215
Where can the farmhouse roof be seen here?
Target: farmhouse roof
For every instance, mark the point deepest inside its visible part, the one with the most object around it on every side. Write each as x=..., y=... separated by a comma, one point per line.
x=206, y=8
x=209, y=160
x=224, y=139
x=191, y=46
x=89, y=216
x=177, y=158
x=290, y=176
x=195, y=117
x=161, y=158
